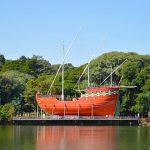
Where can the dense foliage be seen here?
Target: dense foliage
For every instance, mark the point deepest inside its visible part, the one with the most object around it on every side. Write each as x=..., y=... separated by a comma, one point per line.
x=6, y=112
x=20, y=79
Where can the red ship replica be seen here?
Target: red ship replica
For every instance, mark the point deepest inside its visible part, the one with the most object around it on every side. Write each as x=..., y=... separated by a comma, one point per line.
x=95, y=101
x=99, y=101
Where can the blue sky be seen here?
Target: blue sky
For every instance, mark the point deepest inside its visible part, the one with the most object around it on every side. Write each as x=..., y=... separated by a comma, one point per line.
x=38, y=27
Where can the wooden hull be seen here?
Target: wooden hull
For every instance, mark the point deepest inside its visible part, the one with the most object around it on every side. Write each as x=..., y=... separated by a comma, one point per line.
x=95, y=102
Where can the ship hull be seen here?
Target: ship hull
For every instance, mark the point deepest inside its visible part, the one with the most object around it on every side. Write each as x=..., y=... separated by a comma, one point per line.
x=95, y=102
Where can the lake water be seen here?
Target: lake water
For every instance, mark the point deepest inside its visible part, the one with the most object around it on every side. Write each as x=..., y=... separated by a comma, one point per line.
x=74, y=138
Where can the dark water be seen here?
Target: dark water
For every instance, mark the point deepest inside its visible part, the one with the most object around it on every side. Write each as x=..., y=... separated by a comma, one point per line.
x=74, y=138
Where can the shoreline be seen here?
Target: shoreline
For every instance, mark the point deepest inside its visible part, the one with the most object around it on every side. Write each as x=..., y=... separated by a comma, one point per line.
x=96, y=121
x=145, y=122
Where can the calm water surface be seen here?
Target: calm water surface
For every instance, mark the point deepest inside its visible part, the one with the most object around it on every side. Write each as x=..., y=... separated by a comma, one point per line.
x=74, y=138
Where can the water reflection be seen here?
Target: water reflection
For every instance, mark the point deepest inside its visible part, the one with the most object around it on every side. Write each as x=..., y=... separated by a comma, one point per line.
x=75, y=138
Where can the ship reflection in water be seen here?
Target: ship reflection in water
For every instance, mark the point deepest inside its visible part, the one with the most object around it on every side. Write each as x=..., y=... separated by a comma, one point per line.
x=75, y=138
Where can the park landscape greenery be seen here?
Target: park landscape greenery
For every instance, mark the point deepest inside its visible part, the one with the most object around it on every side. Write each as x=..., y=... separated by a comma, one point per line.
x=20, y=80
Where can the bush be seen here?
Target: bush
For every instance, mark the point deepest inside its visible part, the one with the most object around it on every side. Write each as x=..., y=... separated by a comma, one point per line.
x=6, y=112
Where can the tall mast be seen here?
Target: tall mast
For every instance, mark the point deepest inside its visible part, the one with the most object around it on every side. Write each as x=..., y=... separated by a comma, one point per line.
x=88, y=69
x=62, y=95
x=88, y=76
x=100, y=78
x=50, y=88
x=111, y=78
x=113, y=71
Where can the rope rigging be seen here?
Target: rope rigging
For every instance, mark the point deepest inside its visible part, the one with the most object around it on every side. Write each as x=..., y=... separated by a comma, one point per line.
x=71, y=45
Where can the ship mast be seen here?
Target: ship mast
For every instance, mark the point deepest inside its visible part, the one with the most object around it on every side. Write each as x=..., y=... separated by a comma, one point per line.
x=113, y=72
x=87, y=67
x=88, y=71
x=50, y=88
x=111, y=78
x=88, y=76
x=62, y=95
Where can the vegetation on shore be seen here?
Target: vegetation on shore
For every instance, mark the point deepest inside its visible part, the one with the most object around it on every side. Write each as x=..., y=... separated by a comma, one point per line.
x=20, y=79
x=145, y=122
x=6, y=112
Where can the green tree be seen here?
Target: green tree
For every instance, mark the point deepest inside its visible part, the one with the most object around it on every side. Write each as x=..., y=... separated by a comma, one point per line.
x=143, y=100
x=37, y=66
x=41, y=84
x=12, y=85
x=2, y=60
x=6, y=112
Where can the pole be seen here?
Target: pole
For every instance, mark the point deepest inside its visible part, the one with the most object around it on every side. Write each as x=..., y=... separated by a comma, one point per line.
x=100, y=73
x=53, y=110
x=41, y=113
x=112, y=72
x=92, y=111
x=37, y=111
x=64, y=110
x=111, y=78
x=88, y=76
x=62, y=96
x=88, y=69
x=78, y=110
x=88, y=65
x=49, y=90
x=100, y=77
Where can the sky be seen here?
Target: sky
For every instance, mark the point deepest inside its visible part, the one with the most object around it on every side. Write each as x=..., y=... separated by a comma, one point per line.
x=39, y=27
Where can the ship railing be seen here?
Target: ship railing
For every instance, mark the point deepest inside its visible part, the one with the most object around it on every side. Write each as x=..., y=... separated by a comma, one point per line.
x=102, y=86
x=48, y=96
